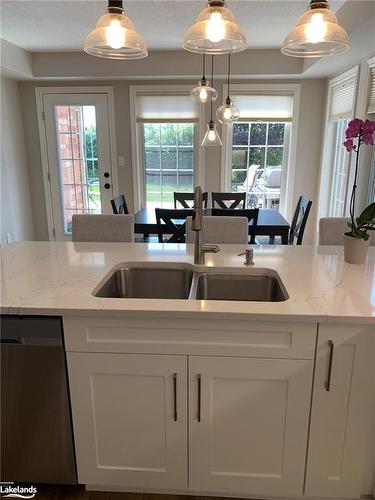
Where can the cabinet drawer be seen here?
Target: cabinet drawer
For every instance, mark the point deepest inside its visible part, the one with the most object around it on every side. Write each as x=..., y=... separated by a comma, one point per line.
x=190, y=336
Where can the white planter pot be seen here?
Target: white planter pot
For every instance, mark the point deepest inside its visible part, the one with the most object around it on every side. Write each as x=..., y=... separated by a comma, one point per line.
x=355, y=249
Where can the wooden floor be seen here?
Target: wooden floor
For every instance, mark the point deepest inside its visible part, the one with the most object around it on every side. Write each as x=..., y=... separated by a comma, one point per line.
x=79, y=493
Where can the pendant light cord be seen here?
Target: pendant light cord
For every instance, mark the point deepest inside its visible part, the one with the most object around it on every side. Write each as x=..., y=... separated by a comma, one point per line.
x=212, y=80
x=204, y=67
x=228, y=75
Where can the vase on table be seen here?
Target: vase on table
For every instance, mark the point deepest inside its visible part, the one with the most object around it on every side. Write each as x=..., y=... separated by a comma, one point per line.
x=355, y=249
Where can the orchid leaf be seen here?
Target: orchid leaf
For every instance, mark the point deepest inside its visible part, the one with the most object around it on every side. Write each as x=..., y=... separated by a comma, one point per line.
x=367, y=216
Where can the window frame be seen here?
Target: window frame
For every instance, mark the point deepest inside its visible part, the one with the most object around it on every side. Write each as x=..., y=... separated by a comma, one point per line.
x=136, y=128
x=289, y=160
x=329, y=144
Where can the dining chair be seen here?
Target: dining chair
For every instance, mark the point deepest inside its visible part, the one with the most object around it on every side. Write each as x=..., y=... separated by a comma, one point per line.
x=119, y=205
x=228, y=200
x=299, y=221
x=172, y=222
x=102, y=228
x=220, y=230
x=183, y=198
x=250, y=213
x=331, y=230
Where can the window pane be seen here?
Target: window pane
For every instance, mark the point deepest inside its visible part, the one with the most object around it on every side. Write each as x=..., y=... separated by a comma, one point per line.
x=275, y=157
x=185, y=181
x=257, y=156
x=238, y=179
x=169, y=158
x=152, y=158
x=186, y=134
x=254, y=163
x=185, y=159
x=258, y=133
x=151, y=133
x=78, y=161
x=168, y=134
x=169, y=164
x=240, y=134
x=239, y=158
x=276, y=133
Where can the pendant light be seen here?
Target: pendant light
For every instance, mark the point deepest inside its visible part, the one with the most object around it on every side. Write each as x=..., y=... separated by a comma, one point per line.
x=316, y=34
x=228, y=112
x=114, y=36
x=215, y=31
x=212, y=137
x=203, y=93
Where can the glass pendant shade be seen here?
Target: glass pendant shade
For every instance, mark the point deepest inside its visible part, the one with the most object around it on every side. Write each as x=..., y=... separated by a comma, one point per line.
x=228, y=112
x=203, y=93
x=212, y=137
x=215, y=31
x=316, y=34
x=114, y=37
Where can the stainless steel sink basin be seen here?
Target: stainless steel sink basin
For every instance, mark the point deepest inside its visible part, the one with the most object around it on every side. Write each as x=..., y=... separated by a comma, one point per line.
x=147, y=283
x=265, y=287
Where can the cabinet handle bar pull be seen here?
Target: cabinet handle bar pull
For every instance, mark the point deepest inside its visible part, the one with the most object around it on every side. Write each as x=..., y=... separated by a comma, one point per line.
x=175, y=397
x=327, y=383
x=199, y=397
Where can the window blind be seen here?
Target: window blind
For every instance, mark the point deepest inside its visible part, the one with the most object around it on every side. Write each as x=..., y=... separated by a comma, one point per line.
x=166, y=108
x=342, y=98
x=264, y=107
x=371, y=104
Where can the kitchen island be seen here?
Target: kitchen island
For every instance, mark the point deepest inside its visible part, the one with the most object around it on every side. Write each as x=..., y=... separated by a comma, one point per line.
x=213, y=397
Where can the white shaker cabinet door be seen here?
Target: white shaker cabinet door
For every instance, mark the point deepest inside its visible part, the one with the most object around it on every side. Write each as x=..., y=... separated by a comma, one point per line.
x=129, y=417
x=341, y=410
x=248, y=425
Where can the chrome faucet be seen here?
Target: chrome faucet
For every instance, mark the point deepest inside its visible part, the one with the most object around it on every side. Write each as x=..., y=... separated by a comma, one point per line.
x=199, y=248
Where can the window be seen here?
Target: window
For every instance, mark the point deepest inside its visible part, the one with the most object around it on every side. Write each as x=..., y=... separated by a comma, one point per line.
x=260, y=147
x=78, y=160
x=341, y=101
x=166, y=137
x=168, y=161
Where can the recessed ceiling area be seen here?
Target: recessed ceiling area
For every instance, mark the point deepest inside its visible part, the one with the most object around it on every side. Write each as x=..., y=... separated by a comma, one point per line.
x=61, y=25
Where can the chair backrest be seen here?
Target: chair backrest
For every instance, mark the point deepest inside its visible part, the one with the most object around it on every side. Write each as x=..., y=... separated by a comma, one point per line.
x=250, y=213
x=172, y=222
x=119, y=205
x=102, y=227
x=299, y=221
x=331, y=230
x=183, y=198
x=273, y=179
x=228, y=200
x=220, y=230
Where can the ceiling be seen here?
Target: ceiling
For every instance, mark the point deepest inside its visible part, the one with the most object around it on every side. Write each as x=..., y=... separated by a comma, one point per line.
x=61, y=25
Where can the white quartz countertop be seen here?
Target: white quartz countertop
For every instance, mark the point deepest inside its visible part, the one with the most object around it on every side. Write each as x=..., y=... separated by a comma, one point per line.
x=57, y=278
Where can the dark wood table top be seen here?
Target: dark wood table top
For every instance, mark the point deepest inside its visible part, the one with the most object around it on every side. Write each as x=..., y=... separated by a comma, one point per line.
x=268, y=218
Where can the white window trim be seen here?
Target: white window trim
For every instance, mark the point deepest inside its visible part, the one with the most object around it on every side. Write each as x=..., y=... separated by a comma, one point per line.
x=39, y=93
x=137, y=138
x=287, y=183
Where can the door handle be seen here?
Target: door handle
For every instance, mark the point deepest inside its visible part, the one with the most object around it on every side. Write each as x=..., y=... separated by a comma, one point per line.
x=175, y=397
x=107, y=185
x=327, y=383
x=199, y=416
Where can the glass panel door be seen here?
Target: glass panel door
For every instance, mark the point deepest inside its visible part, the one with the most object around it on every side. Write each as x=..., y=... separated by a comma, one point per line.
x=77, y=134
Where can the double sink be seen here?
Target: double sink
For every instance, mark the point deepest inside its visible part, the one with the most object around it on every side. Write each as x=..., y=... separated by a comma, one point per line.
x=182, y=282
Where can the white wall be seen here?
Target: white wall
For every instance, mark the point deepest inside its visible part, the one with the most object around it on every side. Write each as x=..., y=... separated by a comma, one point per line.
x=307, y=154
x=16, y=215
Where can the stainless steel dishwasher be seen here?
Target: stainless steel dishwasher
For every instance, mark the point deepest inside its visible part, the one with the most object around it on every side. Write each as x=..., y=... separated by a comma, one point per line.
x=36, y=425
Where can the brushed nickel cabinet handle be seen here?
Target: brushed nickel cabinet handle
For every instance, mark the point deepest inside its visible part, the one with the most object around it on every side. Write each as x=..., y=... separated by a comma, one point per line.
x=175, y=397
x=199, y=397
x=327, y=383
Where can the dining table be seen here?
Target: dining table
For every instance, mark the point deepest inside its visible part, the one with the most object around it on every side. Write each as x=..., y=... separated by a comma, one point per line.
x=270, y=223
